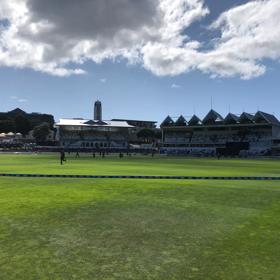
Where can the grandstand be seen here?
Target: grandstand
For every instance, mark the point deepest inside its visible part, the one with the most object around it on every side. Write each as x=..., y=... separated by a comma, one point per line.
x=243, y=135
x=82, y=133
x=79, y=133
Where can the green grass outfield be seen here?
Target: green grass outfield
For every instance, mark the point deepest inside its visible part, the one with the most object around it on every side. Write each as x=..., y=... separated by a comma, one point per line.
x=138, y=229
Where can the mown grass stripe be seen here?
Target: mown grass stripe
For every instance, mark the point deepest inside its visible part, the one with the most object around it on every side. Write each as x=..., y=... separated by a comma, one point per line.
x=141, y=177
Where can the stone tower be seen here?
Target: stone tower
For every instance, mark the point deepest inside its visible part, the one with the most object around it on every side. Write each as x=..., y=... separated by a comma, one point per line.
x=97, y=110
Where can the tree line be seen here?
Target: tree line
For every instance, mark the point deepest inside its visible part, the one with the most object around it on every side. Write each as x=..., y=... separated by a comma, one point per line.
x=18, y=121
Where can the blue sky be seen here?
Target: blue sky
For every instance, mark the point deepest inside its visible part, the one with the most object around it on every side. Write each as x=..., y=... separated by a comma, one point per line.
x=145, y=90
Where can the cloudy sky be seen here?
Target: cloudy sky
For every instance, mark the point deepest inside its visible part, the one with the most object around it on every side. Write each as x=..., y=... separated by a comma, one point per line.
x=143, y=59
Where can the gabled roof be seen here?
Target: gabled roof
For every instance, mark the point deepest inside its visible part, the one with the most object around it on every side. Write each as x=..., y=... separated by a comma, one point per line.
x=90, y=122
x=212, y=117
x=268, y=118
x=246, y=118
x=98, y=122
x=95, y=122
x=167, y=122
x=195, y=120
x=231, y=118
x=181, y=121
x=82, y=122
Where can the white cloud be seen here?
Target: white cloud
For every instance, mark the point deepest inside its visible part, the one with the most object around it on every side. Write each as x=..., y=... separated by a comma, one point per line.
x=250, y=33
x=22, y=100
x=103, y=80
x=49, y=36
x=175, y=86
x=18, y=99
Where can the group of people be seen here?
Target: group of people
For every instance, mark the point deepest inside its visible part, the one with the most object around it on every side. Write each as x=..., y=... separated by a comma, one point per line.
x=102, y=154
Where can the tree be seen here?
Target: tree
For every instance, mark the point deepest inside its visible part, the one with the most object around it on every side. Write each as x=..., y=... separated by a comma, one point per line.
x=7, y=126
x=22, y=124
x=36, y=119
x=40, y=132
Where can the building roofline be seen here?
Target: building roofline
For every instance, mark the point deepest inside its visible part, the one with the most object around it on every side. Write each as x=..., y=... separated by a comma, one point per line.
x=269, y=118
x=92, y=123
x=128, y=120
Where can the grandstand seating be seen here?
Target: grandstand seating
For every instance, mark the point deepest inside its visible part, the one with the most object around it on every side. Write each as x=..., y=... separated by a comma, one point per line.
x=216, y=132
